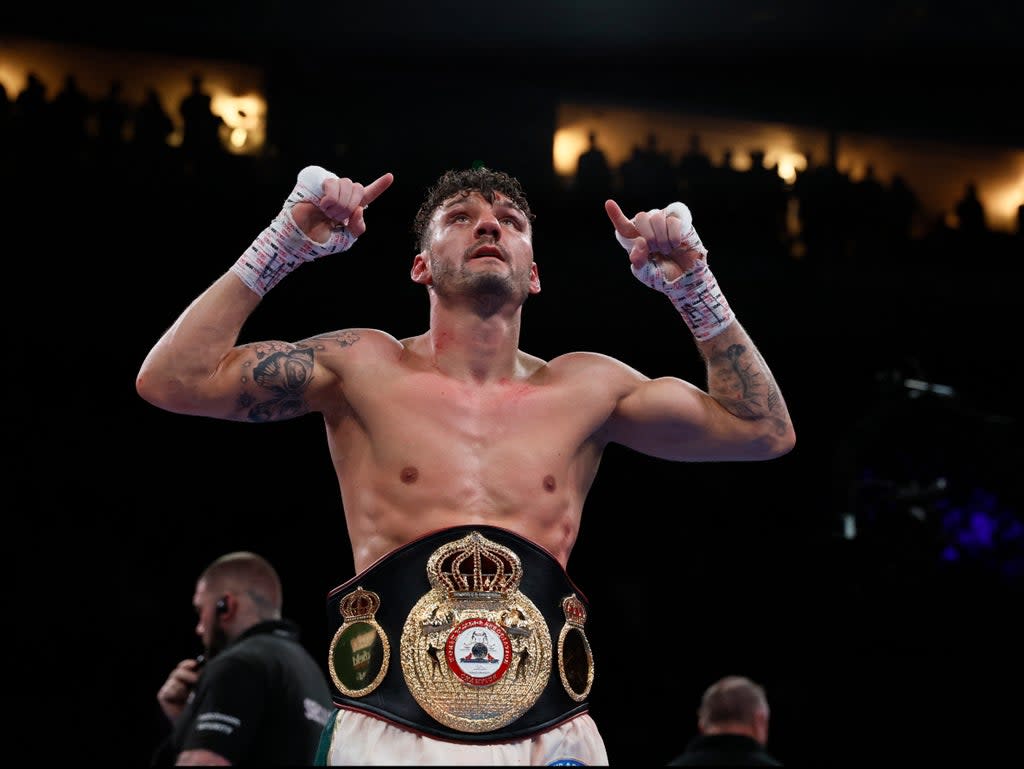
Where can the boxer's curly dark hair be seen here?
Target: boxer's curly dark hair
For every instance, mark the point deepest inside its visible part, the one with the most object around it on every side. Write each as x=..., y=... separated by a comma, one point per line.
x=480, y=179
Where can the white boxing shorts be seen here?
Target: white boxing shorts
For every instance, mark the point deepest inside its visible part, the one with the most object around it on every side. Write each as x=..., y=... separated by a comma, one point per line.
x=356, y=739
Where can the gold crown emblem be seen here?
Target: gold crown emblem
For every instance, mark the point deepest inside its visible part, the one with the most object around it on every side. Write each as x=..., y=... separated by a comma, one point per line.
x=359, y=604
x=575, y=611
x=475, y=567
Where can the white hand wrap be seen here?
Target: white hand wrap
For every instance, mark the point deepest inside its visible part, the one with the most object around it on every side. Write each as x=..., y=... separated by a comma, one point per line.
x=694, y=294
x=283, y=246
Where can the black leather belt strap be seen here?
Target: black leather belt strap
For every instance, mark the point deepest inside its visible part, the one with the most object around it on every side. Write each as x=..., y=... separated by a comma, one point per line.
x=400, y=579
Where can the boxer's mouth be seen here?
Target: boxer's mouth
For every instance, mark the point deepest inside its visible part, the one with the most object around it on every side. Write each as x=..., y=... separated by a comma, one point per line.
x=491, y=251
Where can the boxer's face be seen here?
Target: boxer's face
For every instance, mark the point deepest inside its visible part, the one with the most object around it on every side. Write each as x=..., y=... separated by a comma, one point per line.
x=479, y=247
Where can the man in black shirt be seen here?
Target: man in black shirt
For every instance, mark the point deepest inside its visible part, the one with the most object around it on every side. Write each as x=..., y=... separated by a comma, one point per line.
x=733, y=723
x=256, y=696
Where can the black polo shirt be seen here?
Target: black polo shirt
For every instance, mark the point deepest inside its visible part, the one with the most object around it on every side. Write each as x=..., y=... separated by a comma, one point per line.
x=724, y=750
x=262, y=701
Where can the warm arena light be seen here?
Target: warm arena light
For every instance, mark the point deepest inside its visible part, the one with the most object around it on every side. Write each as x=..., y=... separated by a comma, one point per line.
x=789, y=165
x=244, y=120
x=570, y=143
x=12, y=77
x=1005, y=196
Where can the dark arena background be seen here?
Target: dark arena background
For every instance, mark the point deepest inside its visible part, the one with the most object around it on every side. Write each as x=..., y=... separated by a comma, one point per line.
x=860, y=189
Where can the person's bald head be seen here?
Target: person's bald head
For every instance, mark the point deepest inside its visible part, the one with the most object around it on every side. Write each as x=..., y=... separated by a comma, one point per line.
x=246, y=574
x=734, y=705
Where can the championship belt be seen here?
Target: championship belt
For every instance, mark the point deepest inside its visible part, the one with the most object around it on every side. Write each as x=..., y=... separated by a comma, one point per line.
x=490, y=637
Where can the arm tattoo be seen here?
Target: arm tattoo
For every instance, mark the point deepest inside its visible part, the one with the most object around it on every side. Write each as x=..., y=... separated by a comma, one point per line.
x=336, y=338
x=281, y=373
x=740, y=380
x=274, y=382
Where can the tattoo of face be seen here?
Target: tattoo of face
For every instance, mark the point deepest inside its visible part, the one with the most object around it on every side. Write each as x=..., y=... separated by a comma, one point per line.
x=284, y=374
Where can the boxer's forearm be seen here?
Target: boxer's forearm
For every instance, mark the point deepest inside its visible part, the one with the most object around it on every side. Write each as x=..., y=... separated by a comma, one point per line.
x=740, y=380
x=192, y=349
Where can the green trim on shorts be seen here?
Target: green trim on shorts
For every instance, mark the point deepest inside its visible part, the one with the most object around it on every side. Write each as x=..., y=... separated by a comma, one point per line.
x=324, y=748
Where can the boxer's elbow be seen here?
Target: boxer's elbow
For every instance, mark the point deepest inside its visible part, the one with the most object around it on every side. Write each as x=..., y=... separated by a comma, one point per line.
x=778, y=440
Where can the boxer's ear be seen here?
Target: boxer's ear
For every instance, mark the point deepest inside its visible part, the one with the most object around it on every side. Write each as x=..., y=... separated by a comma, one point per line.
x=420, y=272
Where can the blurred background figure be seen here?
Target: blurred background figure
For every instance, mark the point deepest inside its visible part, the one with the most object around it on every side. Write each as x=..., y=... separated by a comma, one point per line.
x=593, y=173
x=733, y=725
x=255, y=696
x=200, y=143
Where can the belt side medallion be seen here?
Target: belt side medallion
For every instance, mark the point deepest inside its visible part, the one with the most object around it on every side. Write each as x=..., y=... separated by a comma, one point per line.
x=475, y=652
x=360, y=650
x=575, y=658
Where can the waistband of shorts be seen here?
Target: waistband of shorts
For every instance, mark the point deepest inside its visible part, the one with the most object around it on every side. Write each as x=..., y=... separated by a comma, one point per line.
x=399, y=581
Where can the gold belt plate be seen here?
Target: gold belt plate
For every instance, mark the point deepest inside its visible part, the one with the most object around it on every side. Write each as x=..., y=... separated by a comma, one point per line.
x=475, y=651
x=360, y=650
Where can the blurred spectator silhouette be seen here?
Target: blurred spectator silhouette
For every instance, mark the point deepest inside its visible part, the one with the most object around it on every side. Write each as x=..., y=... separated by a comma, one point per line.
x=152, y=128
x=30, y=114
x=970, y=213
x=867, y=215
x=201, y=126
x=732, y=721
x=695, y=163
x=761, y=198
x=5, y=114
x=823, y=192
x=593, y=174
x=902, y=207
x=71, y=109
x=112, y=118
x=694, y=173
x=938, y=239
x=720, y=202
x=647, y=175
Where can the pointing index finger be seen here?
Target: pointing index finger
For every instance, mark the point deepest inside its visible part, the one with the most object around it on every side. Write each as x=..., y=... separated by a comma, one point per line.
x=622, y=224
x=375, y=188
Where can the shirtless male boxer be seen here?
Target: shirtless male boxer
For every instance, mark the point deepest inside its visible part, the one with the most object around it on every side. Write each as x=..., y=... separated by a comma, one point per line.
x=464, y=462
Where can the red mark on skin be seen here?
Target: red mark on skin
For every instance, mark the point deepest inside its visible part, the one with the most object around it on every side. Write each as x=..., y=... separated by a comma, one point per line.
x=515, y=390
x=549, y=483
x=410, y=474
